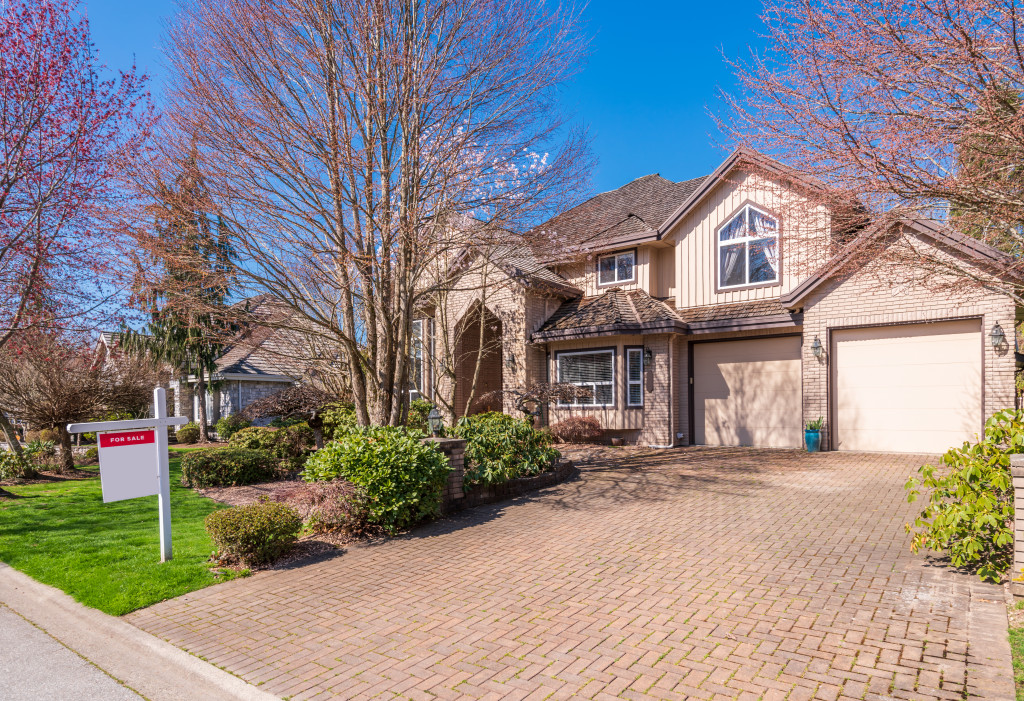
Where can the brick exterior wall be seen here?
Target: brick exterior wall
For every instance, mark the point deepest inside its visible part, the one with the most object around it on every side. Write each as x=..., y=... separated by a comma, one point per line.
x=870, y=298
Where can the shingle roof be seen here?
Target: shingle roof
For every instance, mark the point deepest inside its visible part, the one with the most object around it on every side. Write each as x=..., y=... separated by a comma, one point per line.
x=739, y=310
x=636, y=207
x=262, y=348
x=616, y=307
x=619, y=311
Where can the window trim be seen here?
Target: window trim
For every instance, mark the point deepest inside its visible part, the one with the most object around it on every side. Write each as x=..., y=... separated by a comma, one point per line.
x=416, y=392
x=589, y=351
x=719, y=287
x=615, y=254
x=626, y=350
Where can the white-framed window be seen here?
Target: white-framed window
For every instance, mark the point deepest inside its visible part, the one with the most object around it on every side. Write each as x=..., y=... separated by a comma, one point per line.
x=593, y=370
x=616, y=268
x=416, y=365
x=748, y=249
x=634, y=377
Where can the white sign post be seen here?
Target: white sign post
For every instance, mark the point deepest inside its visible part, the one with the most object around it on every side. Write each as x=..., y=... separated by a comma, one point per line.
x=127, y=466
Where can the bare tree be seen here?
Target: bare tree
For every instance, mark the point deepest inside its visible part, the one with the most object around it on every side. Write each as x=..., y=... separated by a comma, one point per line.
x=351, y=143
x=900, y=111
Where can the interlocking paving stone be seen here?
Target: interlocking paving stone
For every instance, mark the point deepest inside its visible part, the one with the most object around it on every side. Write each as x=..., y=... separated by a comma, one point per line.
x=691, y=573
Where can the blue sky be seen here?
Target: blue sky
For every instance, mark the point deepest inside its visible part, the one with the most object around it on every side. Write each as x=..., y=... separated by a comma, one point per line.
x=644, y=94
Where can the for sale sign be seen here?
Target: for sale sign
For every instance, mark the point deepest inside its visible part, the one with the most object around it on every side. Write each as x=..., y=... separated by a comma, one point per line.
x=128, y=464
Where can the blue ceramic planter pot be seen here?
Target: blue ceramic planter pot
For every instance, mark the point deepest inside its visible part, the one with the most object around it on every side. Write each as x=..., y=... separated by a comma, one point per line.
x=812, y=439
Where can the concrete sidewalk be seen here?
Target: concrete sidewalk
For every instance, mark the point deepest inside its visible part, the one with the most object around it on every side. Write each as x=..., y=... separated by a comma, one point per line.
x=53, y=647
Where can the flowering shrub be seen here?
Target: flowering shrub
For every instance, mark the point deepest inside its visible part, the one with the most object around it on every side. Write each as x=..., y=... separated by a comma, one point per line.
x=500, y=447
x=578, y=429
x=969, y=513
x=402, y=477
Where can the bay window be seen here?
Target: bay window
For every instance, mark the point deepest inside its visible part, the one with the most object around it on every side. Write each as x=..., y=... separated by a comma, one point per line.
x=593, y=370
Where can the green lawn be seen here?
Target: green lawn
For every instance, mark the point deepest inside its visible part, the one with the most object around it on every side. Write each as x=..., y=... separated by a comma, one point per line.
x=1017, y=646
x=107, y=555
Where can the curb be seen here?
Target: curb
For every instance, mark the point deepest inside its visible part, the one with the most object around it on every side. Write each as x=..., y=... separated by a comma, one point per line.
x=151, y=667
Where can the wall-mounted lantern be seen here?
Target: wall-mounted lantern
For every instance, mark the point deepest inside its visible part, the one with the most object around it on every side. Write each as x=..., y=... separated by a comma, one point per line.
x=648, y=357
x=997, y=336
x=510, y=360
x=817, y=348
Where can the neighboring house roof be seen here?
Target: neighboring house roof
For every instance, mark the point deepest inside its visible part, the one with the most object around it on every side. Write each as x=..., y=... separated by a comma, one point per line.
x=262, y=349
x=635, y=210
x=620, y=312
x=988, y=258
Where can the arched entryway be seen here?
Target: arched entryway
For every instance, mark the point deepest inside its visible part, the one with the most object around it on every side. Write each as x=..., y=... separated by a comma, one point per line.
x=479, y=341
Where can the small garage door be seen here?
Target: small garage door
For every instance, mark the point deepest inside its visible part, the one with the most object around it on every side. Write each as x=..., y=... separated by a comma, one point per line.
x=913, y=388
x=748, y=393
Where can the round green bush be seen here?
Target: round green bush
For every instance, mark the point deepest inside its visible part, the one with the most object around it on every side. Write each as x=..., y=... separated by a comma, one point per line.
x=500, y=447
x=256, y=534
x=230, y=425
x=338, y=419
x=291, y=443
x=402, y=477
x=189, y=433
x=227, y=467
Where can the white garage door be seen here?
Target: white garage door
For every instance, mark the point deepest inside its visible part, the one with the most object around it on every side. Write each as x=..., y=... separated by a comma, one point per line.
x=748, y=393
x=912, y=389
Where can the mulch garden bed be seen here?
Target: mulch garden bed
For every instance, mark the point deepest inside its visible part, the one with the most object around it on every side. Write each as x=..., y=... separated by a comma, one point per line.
x=46, y=476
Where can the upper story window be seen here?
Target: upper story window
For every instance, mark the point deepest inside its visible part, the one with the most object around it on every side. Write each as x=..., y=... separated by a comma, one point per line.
x=616, y=268
x=748, y=249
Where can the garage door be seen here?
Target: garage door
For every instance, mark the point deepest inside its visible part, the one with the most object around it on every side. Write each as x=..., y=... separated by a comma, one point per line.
x=913, y=388
x=748, y=393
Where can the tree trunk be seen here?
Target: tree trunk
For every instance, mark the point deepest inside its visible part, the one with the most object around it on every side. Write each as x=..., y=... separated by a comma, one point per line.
x=204, y=436
x=10, y=434
x=67, y=456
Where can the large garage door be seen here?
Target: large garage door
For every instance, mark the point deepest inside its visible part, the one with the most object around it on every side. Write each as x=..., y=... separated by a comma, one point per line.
x=748, y=393
x=913, y=388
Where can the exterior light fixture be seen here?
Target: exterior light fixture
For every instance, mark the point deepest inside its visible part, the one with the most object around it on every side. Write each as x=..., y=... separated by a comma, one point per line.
x=998, y=336
x=816, y=347
x=648, y=357
x=510, y=361
x=434, y=419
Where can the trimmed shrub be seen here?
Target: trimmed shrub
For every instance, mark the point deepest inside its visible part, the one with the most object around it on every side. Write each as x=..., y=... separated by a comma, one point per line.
x=577, y=429
x=402, y=477
x=337, y=506
x=255, y=534
x=291, y=444
x=500, y=447
x=189, y=433
x=227, y=467
x=969, y=514
x=91, y=454
x=338, y=419
x=230, y=425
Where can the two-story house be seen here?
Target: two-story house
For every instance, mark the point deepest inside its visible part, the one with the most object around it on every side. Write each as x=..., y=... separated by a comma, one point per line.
x=696, y=320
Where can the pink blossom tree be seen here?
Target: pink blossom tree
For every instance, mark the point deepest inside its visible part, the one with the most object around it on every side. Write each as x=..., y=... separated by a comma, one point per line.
x=900, y=110
x=66, y=132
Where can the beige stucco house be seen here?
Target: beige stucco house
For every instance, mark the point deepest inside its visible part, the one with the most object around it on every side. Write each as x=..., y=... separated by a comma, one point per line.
x=694, y=322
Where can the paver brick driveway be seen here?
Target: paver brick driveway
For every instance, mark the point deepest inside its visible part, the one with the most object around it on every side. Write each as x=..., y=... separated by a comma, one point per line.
x=694, y=573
